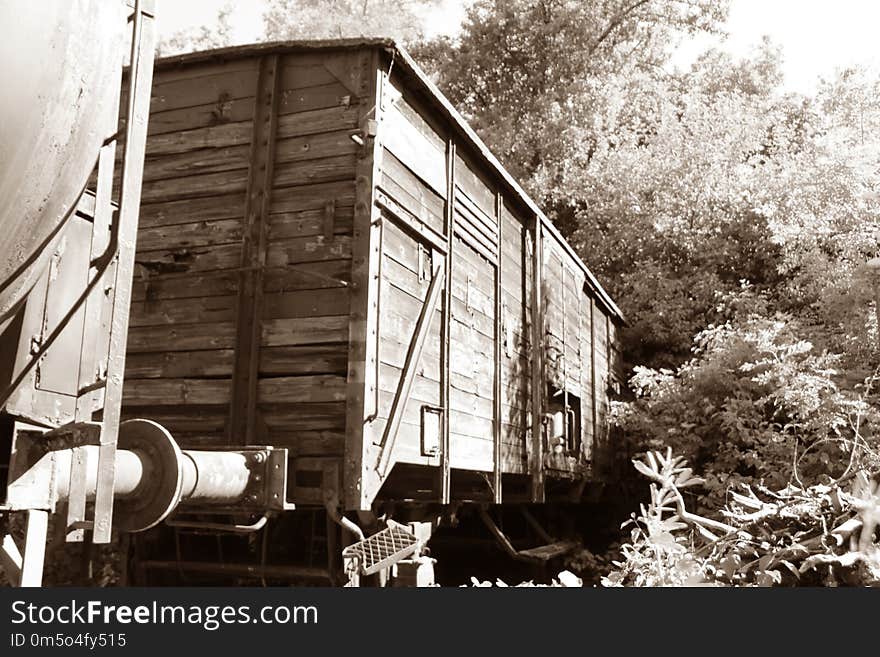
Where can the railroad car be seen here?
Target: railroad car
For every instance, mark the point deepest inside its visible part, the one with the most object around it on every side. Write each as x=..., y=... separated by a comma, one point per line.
x=330, y=261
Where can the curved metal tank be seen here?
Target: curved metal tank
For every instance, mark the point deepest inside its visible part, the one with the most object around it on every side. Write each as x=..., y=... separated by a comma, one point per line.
x=60, y=75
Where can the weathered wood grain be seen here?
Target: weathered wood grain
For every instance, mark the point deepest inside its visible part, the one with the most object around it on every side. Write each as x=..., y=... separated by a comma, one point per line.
x=472, y=182
x=309, y=276
x=190, y=234
x=306, y=148
x=314, y=248
x=312, y=196
x=204, y=418
x=214, y=87
x=310, y=222
x=181, y=391
x=324, y=119
x=216, y=112
x=309, y=443
x=331, y=94
x=195, y=186
x=182, y=311
x=301, y=389
x=201, y=161
x=309, y=172
x=311, y=416
x=218, y=136
x=179, y=364
x=210, y=208
x=306, y=303
x=149, y=286
x=305, y=330
x=179, y=260
x=185, y=337
x=304, y=359
x=425, y=157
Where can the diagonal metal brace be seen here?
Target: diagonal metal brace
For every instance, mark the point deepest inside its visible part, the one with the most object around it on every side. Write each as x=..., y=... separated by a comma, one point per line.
x=413, y=355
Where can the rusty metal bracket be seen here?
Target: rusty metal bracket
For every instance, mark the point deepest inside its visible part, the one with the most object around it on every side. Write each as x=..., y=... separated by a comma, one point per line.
x=233, y=528
x=32, y=468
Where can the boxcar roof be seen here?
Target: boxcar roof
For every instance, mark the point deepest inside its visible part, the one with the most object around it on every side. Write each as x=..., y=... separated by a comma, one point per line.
x=435, y=96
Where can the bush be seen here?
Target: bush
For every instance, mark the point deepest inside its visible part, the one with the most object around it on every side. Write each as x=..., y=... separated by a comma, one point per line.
x=756, y=405
x=817, y=535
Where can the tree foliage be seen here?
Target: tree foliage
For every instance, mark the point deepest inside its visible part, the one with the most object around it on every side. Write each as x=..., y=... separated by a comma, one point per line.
x=521, y=70
x=674, y=185
x=332, y=19
x=818, y=535
x=217, y=34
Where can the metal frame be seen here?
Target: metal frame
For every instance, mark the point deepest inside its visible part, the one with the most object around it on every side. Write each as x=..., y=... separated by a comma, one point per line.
x=137, y=115
x=112, y=243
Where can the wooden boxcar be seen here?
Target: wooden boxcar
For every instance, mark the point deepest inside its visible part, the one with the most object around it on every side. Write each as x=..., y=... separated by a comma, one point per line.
x=330, y=260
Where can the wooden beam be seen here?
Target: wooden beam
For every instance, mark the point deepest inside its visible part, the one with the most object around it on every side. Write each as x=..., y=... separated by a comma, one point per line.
x=446, y=387
x=361, y=385
x=243, y=405
x=499, y=535
x=34, y=548
x=10, y=559
x=597, y=447
x=536, y=453
x=499, y=338
x=413, y=355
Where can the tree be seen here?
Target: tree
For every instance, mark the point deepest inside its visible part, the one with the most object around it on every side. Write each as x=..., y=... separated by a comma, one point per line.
x=676, y=185
x=522, y=70
x=330, y=19
x=206, y=37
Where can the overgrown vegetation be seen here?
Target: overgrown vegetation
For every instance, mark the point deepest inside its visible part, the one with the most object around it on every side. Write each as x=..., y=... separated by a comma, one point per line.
x=823, y=534
x=734, y=222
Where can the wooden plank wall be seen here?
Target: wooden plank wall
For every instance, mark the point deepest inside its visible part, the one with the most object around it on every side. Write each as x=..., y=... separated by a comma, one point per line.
x=181, y=346
x=472, y=330
x=183, y=319
x=412, y=175
x=516, y=363
x=304, y=347
x=582, y=349
x=182, y=335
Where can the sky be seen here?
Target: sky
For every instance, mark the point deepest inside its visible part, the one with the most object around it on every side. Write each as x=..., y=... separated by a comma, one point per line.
x=817, y=36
